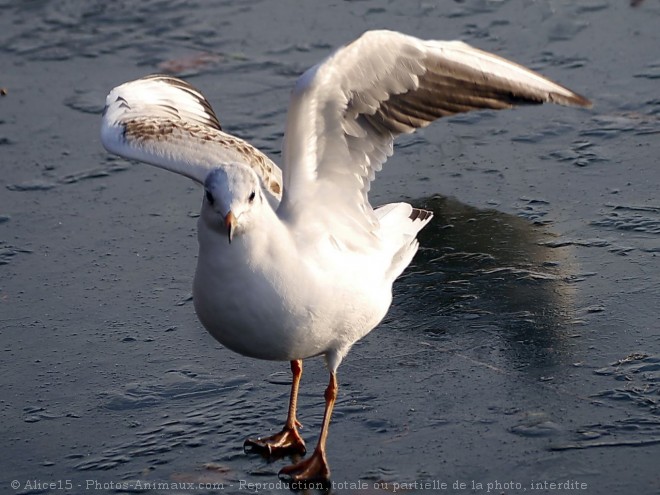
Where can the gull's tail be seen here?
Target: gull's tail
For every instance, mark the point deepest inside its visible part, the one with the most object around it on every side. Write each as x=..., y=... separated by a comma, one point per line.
x=399, y=225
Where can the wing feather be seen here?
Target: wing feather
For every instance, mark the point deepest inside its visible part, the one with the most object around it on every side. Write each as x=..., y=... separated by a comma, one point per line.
x=166, y=122
x=346, y=111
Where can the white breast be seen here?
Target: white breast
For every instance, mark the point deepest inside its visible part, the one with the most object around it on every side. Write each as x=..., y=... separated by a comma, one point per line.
x=270, y=310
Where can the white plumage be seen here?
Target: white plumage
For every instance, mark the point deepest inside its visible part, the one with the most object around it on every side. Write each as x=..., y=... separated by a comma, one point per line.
x=298, y=264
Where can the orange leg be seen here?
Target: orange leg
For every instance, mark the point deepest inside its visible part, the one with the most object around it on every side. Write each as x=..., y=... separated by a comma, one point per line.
x=315, y=468
x=288, y=441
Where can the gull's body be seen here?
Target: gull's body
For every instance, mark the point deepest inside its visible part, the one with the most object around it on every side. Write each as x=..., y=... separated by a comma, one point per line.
x=298, y=264
x=259, y=295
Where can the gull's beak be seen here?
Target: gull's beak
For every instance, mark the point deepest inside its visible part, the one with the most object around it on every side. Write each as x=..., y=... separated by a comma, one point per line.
x=230, y=223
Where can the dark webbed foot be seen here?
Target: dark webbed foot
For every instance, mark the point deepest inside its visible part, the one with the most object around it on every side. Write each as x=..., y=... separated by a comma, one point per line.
x=286, y=442
x=314, y=468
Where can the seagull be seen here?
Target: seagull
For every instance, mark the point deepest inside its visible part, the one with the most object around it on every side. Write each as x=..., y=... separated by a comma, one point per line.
x=295, y=263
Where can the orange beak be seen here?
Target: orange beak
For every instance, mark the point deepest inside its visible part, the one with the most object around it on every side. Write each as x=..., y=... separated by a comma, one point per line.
x=230, y=223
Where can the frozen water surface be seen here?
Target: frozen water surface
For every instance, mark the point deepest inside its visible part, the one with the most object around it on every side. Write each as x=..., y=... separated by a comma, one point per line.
x=523, y=346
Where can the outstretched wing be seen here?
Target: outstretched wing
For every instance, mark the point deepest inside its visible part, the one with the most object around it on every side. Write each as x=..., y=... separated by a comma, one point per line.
x=166, y=122
x=346, y=111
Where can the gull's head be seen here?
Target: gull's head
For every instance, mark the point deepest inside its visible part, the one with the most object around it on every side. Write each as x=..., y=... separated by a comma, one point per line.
x=232, y=198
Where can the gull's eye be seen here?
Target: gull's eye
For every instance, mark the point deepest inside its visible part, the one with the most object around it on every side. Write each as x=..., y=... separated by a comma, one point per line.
x=251, y=197
x=209, y=197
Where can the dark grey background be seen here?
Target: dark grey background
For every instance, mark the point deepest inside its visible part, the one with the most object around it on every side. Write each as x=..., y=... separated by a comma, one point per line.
x=523, y=342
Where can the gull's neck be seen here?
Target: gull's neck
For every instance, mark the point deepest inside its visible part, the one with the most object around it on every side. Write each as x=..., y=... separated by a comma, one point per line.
x=264, y=235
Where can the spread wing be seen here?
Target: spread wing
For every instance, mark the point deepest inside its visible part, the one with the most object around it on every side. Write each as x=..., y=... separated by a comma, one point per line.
x=346, y=111
x=166, y=122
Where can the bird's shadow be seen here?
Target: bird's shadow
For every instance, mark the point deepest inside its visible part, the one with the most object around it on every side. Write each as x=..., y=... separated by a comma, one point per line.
x=487, y=272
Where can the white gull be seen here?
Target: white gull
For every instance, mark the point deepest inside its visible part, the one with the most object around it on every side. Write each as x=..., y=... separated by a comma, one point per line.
x=299, y=264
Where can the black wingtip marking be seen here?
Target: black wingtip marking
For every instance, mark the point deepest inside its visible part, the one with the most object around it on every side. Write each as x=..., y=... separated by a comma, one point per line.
x=419, y=214
x=195, y=93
